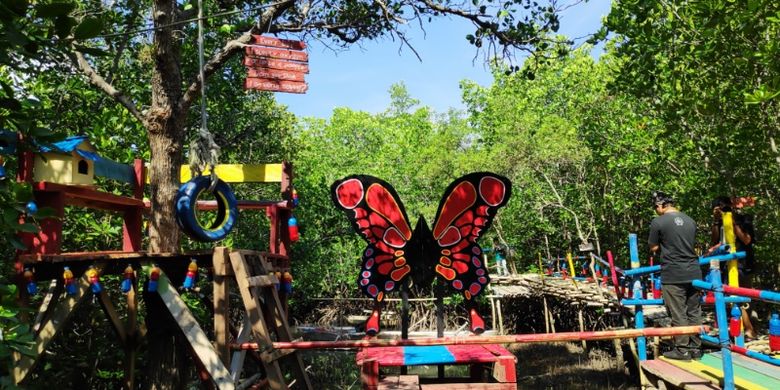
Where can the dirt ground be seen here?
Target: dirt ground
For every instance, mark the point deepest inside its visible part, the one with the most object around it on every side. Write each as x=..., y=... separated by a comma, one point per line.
x=568, y=366
x=540, y=366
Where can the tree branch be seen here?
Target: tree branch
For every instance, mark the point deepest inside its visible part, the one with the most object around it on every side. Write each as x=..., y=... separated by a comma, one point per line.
x=106, y=87
x=230, y=49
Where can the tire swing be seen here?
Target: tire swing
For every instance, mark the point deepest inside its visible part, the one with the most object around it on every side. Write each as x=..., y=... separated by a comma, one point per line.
x=204, y=152
x=187, y=212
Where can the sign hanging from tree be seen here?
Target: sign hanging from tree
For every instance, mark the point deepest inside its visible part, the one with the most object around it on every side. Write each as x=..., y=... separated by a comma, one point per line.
x=276, y=65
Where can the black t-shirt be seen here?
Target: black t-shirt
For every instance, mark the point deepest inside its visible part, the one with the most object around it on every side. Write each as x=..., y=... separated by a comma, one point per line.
x=745, y=222
x=675, y=232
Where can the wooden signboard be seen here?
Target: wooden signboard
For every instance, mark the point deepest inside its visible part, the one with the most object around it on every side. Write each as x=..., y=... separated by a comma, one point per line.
x=275, y=85
x=270, y=63
x=277, y=65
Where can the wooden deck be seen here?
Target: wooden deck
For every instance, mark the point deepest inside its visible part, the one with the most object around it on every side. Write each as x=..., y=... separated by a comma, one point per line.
x=707, y=373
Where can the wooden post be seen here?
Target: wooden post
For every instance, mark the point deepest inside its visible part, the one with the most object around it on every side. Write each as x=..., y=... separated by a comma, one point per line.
x=369, y=374
x=132, y=226
x=439, y=292
x=222, y=303
x=582, y=328
x=132, y=335
x=404, y=317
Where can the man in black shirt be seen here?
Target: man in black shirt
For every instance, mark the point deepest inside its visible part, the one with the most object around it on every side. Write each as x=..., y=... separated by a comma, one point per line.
x=674, y=233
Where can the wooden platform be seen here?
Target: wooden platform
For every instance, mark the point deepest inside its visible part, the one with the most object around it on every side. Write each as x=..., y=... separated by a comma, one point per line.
x=476, y=356
x=707, y=373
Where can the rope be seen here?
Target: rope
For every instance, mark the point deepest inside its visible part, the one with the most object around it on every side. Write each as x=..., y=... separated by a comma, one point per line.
x=204, y=151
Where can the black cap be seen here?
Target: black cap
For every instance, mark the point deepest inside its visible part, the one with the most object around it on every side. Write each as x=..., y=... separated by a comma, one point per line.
x=723, y=202
x=660, y=198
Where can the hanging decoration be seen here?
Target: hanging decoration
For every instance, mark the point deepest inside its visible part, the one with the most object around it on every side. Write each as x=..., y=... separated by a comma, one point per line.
x=94, y=279
x=276, y=65
x=32, y=287
x=127, y=282
x=295, y=199
x=292, y=229
x=192, y=275
x=287, y=283
x=154, y=275
x=70, y=282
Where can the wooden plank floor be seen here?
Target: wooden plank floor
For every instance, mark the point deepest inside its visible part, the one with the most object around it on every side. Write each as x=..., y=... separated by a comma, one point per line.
x=752, y=364
x=715, y=375
x=676, y=376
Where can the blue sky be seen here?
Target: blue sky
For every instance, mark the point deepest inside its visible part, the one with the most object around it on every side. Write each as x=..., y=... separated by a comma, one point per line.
x=361, y=77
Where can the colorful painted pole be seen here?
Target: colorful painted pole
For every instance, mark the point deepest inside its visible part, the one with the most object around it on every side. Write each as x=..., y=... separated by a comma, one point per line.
x=474, y=340
x=744, y=351
x=723, y=332
x=702, y=261
x=764, y=295
x=731, y=241
x=571, y=269
x=639, y=316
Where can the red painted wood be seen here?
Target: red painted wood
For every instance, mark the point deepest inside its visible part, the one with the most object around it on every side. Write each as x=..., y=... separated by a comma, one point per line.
x=132, y=225
x=504, y=370
x=275, y=85
x=273, y=63
x=100, y=199
x=24, y=173
x=369, y=374
x=49, y=240
x=282, y=54
x=278, y=42
x=275, y=74
x=473, y=340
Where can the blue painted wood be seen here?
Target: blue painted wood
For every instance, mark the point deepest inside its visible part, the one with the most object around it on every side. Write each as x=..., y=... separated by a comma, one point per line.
x=435, y=354
x=114, y=170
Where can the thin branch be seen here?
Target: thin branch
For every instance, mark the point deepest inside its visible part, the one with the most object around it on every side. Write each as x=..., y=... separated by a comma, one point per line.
x=230, y=49
x=105, y=86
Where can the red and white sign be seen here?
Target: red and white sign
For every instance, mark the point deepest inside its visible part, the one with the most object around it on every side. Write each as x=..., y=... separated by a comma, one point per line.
x=277, y=65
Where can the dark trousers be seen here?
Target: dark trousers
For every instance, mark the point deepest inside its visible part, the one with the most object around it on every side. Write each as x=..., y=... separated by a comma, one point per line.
x=683, y=303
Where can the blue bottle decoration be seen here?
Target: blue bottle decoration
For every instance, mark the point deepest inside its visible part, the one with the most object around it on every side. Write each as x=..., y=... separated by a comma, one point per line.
x=32, y=287
x=295, y=199
x=2, y=172
x=192, y=275
x=70, y=282
x=292, y=229
x=31, y=207
x=154, y=275
x=127, y=282
x=94, y=280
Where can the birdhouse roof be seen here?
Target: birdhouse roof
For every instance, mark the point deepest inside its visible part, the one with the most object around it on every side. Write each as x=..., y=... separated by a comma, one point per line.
x=69, y=145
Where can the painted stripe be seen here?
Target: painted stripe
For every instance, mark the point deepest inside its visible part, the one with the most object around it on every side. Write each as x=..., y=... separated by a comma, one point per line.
x=715, y=375
x=752, y=364
x=742, y=372
x=240, y=173
x=435, y=354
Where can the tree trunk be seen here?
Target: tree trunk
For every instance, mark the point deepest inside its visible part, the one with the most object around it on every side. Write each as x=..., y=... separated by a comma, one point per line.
x=165, y=122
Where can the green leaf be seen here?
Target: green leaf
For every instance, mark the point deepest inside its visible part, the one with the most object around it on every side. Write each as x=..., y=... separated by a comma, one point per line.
x=18, y=245
x=89, y=27
x=63, y=25
x=27, y=227
x=54, y=9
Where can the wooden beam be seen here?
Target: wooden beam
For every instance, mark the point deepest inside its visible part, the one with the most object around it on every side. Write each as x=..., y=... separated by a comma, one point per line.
x=253, y=311
x=49, y=301
x=194, y=334
x=221, y=303
x=278, y=42
x=132, y=336
x=59, y=317
x=272, y=63
x=281, y=54
x=111, y=314
x=237, y=361
x=262, y=281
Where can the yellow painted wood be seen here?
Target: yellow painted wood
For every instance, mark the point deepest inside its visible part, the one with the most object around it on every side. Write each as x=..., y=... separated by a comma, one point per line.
x=572, y=272
x=731, y=239
x=242, y=173
x=712, y=374
x=63, y=168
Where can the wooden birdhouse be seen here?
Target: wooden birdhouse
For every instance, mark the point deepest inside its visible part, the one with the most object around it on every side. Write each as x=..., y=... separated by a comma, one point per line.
x=71, y=161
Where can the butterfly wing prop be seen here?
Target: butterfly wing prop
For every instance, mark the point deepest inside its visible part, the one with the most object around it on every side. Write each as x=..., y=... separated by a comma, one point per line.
x=466, y=211
x=377, y=214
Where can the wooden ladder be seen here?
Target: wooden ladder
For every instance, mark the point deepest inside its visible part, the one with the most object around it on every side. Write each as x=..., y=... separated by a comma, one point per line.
x=265, y=316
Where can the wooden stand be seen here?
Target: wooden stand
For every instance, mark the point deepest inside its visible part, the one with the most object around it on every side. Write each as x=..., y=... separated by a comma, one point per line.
x=265, y=315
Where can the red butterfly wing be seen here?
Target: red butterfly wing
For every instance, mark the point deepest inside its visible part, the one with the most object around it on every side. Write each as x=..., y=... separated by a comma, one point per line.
x=465, y=212
x=376, y=213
